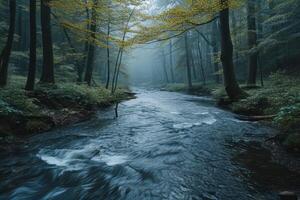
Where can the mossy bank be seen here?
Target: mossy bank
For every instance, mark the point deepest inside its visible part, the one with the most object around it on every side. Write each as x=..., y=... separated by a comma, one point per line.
x=278, y=101
x=48, y=106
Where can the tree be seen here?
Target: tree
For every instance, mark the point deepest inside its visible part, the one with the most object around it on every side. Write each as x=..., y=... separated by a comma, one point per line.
x=165, y=65
x=252, y=40
x=188, y=65
x=91, y=48
x=108, y=55
x=200, y=60
x=231, y=86
x=215, y=47
x=171, y=61
x=32, y=57
x=48, y=62
x=5, y=54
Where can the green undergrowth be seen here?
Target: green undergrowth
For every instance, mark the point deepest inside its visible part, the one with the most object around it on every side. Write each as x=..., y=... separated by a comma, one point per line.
x=197, y=88
x=280, y=97
x=50, y=104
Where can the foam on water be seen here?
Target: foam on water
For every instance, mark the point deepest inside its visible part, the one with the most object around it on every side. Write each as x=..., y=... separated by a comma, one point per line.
x=209, y=120
x=111, y=160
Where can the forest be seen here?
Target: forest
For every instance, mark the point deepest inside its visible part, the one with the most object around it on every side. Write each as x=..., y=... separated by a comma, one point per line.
x=150, y=99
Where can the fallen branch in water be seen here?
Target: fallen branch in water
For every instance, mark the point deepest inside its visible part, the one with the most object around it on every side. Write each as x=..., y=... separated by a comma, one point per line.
x=255, y=118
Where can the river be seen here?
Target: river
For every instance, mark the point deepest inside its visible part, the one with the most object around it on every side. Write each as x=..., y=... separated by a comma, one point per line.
x=163, y=146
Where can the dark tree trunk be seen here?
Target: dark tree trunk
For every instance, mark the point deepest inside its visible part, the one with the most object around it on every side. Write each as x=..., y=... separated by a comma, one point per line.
x=32, y=58
x=252, y=40
x=108, y=56
x=188, y=65
x=231, y=86
x=5, y=54
x=81, y=68
x=171, y=62
x=48, y=60
x=215, y=50
x=91, y=49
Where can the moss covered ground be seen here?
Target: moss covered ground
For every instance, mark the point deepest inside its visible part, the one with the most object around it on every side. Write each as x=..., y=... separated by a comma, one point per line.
x=48, y=106
x=279, y=97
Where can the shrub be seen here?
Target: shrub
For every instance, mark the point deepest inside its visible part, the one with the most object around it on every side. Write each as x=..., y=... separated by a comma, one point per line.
x=289, y=117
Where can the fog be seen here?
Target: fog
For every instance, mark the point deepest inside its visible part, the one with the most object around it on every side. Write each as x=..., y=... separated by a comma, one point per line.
x=144, y=65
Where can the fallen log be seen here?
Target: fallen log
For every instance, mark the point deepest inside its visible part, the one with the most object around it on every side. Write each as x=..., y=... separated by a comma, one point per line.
x=254, y=118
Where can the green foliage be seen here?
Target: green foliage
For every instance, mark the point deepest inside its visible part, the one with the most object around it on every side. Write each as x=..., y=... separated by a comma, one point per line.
x=77, y=93
x=289, y=117
x=197, y=88
x=253, y=105
x=6, y=109
x=281, y=90
x=15, y=100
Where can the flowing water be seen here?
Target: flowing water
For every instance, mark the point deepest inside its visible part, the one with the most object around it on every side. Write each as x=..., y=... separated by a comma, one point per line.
x=163, y=146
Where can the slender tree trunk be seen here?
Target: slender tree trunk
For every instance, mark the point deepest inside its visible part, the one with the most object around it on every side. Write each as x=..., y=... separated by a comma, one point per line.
x=120, y=57
x=165, y=66
x=231, y=86
x=252, y=40
x=32, y=56
x=91, y=51
x=215, y=50
x=171, y=62
x=82, y=66
x=201, y=61
x=108, y=56
x=193, y=64
x=19, y=29
x=5, y=54
x=236, y=41
x=48, y=60
x=188, y=65
x=259, y=37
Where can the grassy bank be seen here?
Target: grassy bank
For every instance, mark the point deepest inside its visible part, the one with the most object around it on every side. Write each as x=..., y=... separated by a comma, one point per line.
x=279, y=99
x=197, y=89
x=49, y=106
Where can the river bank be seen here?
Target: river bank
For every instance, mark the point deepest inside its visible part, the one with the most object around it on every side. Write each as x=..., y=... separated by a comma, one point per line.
x=49, y=106
x=277, y=102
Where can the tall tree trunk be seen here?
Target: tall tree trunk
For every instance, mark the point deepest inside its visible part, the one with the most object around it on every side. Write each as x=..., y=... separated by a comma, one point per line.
x=5, y=54
x=171, y=62
x=236, y=41
x=259, y=37
x=32, y=58
x=193, y=64
x=19, y=28
x=91, y=51
x=231, y=86
x=188, y=65
x=165, y=66
x=120, y=56
x=81, y=68
x=201, y=61
x=215, y=50
x=48, y=60
x=108, y=55
x=252, y=40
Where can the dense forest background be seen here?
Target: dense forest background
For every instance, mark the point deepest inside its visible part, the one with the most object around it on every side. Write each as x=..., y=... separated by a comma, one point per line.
x=84, y=49
x=265, y=36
